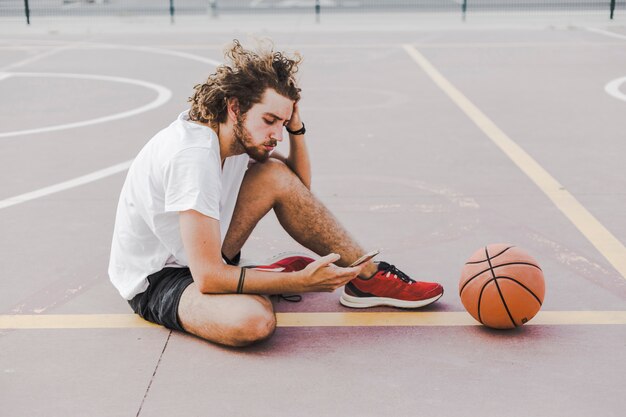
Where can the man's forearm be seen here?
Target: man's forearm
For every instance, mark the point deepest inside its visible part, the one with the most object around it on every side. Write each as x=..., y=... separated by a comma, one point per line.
x=225, y=280
x=298, y=159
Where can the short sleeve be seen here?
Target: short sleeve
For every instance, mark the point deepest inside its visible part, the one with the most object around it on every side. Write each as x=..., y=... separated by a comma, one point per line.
x=192, y=182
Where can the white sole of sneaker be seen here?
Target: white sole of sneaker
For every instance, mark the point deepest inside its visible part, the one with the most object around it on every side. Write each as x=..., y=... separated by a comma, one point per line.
x=365, y=302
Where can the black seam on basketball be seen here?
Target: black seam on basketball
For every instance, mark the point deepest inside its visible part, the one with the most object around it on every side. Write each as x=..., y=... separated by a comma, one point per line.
x=523, y=286
x=472, y=278
x=493, y=273
x=506, y=307
x=485, y=270
x=480, y=297
x=494, y=267
x=494, y=256
x=518, y=263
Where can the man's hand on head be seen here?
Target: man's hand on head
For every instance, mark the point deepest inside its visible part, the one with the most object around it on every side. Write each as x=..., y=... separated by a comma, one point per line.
x=298, y=159
x=295, y=123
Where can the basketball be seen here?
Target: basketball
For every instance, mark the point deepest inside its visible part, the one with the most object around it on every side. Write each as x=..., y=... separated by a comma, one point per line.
x=502, y=286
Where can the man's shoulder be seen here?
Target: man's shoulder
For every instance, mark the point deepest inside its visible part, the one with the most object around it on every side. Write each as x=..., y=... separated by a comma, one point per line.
x=181, y=136
x=174, y=146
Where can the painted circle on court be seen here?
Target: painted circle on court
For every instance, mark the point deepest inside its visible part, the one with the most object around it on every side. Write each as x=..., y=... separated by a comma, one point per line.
x=613, y=88
x=163, y=95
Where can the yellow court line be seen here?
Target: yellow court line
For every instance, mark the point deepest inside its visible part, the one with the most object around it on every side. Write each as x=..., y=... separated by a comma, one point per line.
x=455, y=318
x=599, y=236
x=73, y=321
x=363, y=319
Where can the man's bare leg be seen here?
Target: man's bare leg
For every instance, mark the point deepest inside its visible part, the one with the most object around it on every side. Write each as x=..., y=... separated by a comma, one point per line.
x=228, y=319
x=239, y=320
x=272, y=185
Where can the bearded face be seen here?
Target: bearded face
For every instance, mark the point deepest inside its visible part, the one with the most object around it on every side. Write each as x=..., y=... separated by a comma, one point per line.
x=258, y=152
x=258, y=130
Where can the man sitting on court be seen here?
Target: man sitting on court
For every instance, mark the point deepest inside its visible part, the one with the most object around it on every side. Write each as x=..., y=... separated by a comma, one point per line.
x=192, y=197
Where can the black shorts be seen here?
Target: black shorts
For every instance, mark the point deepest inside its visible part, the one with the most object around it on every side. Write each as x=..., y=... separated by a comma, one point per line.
x=159, y=303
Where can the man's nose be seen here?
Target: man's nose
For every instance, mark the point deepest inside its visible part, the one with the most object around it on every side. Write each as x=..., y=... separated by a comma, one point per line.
x=278, y=134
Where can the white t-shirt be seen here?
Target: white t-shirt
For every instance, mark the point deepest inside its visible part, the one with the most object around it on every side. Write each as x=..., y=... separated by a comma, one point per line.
x=178, y=169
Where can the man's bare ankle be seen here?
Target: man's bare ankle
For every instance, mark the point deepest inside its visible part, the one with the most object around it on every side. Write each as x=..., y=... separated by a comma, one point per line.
x=369, y=271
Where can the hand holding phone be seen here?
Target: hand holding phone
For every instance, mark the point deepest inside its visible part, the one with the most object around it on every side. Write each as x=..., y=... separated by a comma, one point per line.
x=368, y=256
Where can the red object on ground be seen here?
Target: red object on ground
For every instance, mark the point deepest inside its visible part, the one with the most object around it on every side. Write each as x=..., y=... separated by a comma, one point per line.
x=390, y=287
x=285, y=262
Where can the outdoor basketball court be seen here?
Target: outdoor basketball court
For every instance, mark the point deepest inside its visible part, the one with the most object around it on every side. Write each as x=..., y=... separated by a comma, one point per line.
x=428, y=141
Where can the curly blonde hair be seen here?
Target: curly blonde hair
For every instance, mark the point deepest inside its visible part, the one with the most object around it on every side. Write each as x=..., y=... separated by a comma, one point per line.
x=245, y=77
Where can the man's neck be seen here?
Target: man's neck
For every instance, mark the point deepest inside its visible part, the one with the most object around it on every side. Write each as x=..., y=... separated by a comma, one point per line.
x=228, y=144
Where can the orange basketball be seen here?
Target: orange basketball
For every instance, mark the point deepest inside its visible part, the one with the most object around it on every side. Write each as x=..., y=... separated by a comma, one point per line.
x=502, y=286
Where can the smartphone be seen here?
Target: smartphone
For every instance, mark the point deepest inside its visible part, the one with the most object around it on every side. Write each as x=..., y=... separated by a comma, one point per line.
x=364, y=258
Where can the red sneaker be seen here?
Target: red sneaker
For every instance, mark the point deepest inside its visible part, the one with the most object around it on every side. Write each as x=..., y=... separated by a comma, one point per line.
x=285, y=262
x=389, y=287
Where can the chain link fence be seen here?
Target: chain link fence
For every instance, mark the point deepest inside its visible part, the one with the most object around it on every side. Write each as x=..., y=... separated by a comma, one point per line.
x=32, y=9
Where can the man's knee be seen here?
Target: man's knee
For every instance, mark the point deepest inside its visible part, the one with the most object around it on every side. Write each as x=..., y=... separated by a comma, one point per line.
x=274, y=172
x=252, y=322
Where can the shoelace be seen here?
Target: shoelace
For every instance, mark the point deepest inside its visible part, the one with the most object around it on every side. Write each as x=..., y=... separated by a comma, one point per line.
x=391, y=269
x=294, y=298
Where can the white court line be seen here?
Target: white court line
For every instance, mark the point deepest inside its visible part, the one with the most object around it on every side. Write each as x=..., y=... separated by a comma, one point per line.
x=94, y=176
x=612, y=88
x=85, y=179
x=162, y=91
x=599, y=236
x=38, y=57
x=32, y=41
x=607, y=33
x=163, y=95
x=162, y=49
x=152, y=50
x=179, y=54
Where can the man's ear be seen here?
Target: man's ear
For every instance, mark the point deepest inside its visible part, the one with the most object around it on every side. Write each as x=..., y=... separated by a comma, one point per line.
x=232, y=105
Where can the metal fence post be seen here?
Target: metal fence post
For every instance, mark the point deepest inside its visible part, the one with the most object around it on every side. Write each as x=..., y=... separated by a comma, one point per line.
x=318, y=8
x=27, y=11
x=172, y=11
x=213, y=5
x=612, y=8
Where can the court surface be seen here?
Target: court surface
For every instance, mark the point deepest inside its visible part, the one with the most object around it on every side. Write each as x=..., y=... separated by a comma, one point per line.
x=429, y=140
